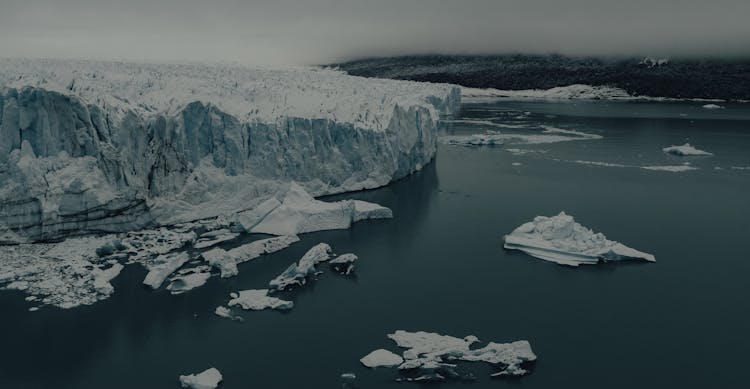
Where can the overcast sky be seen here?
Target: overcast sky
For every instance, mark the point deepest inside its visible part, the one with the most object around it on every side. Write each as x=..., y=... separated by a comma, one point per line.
x=324, y=31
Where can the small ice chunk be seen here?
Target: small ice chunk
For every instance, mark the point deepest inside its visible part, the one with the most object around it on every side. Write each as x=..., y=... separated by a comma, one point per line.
x=227, y=313
x=215, y=237
x=670, y=168
x=561, y=240
x=257, y=300
x=712, y=106
x=349, y=376
x=297, y=273
x=163, y=266
x=209, y=379
x=184, y=283
x=344, y=263
x=685, y=150
x=103, y=277
x=381, y=357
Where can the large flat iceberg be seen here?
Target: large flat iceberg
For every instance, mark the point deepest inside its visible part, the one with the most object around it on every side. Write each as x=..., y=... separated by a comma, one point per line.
x=96, y=147
x=561, y=240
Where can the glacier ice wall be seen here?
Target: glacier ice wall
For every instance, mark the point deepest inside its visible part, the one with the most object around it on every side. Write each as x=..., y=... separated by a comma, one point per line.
x=90, y=147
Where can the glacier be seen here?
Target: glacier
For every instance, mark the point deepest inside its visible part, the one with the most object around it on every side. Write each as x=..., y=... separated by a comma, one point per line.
x=92, y=147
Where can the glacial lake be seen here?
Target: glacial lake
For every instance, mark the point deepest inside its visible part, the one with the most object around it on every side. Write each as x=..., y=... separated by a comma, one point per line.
x=439, y=266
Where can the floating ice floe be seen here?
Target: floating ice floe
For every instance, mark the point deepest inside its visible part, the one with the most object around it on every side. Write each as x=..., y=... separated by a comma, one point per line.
x=208, y=379
x=297, y=273
x=712, y=106
x=189, y=280
x=163, y=266
x=300, y=213
x=344, y=263
x=561, y=240
x=65, y=274
x=490, y=138
x=685, y=151
x=258, y=300
x=227, y=261
x=428, y=355
x=381, y=358
x=349, y=376
x=212, y=238
x=671, y=168
x=227, y=313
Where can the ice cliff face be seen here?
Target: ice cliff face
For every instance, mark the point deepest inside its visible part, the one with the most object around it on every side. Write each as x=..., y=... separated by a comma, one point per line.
x=91, y=147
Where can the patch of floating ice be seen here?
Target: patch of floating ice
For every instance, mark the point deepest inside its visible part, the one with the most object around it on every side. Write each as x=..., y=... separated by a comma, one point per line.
x=516, y=164
x=227, y=261
x=740, y=167
x=185, y=282
x=381, y=358
x=300, y=213
x=349, y=376
x=525, y=151
x=561, y=240
x=427, y=354
x=65, y=274
x=297, y=273
x=344, y=263
x=489, y=138
x=485, y=123
x=671, y=168
x=712, y=106
x=685, y=151
x=212, y=238
x=257, y=300
x=163, y=266
x=145, y=244
x=597, y=163
x=208, y=379
x=227, y=313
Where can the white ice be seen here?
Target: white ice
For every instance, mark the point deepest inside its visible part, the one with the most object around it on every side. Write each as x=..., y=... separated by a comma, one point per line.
x=561, y=240
x=258, y=299
x=712, y=106
x=685, y=150
x=227, y=313
x=208, y=379
x=163, y=266
x=344, y=263
x=381, y=358
x=227, y=261
x=297, y=273
x=546, y=135
x=183, y=283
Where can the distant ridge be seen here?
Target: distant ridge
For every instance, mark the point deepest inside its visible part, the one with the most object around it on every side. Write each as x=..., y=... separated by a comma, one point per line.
x=674, y=78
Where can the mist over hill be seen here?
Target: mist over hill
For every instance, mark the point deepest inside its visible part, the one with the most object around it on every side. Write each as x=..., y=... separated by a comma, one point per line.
x=677, y=78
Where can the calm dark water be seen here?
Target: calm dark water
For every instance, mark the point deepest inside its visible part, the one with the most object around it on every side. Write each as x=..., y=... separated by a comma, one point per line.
x=439, y=266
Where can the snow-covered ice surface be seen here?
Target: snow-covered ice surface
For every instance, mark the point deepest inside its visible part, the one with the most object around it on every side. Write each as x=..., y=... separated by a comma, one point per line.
x=428, y=356
x=297, y=273
x=208, y=379
x=163, y=266
x=561, y=240
x=85, y=146
x=685, y=151
x=300, y=213
x=344, y=263
x=381, y=358
x=226, y=261
x=258, y=300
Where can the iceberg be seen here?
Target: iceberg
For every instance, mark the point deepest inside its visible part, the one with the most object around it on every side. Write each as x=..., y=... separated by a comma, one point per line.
x=381, y=358
x=226, y=261
x=712, y=106
x=670, y=168
x=212, y=238
x=103, y=277
x=208, y=379
x=185, y=282
x=344, y=263
x=492, y=138
x=685, y=150
x=227, y=313
x=561, y=240
x=300, y=213
x=162, y=267
x=297, y=273
x=105, y=147
x=258, y=300
x=428, y=354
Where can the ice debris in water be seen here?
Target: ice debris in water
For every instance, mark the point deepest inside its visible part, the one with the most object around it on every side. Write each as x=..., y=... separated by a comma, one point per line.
x=189, y=279
x=65, y=274
x=428, y=354
x=670, y=168
x=163, y=266
x=685, y=151
x=208, y=379
x=227, y=313
x=381, y=358
x=344, y=263
x=561, y=240
x=712, y=106
x=300, y=213
x=226, y=261
x=547, y=135
x=257, y=300
x=212, y=238
x=297, y=273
